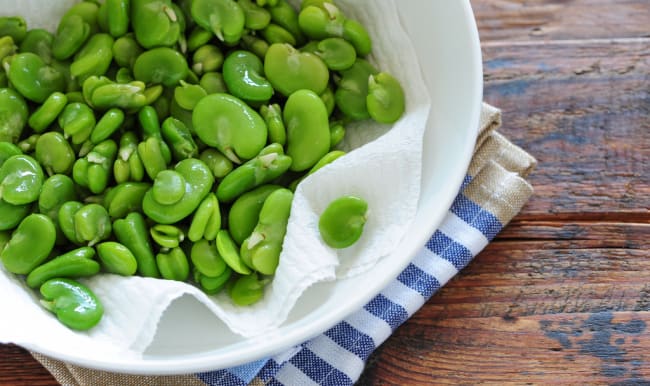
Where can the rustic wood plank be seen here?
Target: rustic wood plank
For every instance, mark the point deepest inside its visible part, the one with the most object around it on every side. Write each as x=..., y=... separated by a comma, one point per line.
x=584, y=111
x=525, y=20
x=18, y=368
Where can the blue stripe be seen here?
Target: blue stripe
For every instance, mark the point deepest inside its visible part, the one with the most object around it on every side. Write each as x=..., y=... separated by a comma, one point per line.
x=247, y=372
x=477, y=217
x=318, y=370
x=466, y=182
x=220, y=378
x=269, y=370
x=385, y=309
x=448, y=249
x=418, y=280
x=351, y=339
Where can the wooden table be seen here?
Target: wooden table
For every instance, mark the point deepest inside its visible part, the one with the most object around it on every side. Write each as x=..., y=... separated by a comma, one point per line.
x=563, y=294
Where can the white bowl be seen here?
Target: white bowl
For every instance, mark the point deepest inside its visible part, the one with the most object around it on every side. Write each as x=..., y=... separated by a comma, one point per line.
x=446, y=40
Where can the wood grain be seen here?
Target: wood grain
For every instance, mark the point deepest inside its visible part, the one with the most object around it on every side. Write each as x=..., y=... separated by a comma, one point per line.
x=563, y=294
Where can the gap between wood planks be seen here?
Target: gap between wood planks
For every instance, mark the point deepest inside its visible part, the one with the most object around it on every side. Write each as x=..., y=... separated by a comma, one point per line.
x=568, y=42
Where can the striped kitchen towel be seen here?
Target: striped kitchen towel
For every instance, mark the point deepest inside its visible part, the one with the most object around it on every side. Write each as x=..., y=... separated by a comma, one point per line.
x=494, y=191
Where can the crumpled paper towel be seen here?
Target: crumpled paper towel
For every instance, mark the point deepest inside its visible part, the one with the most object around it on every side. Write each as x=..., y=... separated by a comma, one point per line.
x=383, y=166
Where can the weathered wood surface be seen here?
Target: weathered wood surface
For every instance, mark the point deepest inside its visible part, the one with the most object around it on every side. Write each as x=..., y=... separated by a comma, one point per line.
x=563, y=294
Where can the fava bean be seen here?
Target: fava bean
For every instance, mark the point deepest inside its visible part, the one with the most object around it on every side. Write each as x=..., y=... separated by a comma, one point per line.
x=13, y=115
x=161, y=65
x=217, y=162
x=92, y=224
x=47, y=113
x=76, y=263
x=206, y=221
x=256, y=17
x=14, y=26
x=21, y=254
x=272, y=115
x=385, y=99
x=337, y=53
x=155, y=23
x=167, y=236
x=206, y=259
x=21, y=179
x=12, y=215
x=229, y=251
x=212, y=285
x=188, y=95
x=284, y=15
x=179, y=138
x=243, y=74
x=39, y=42
x=128, y=165
x=274, y=34
x=116, y=258
x=132, y=233
x=125, y=198
x=74, y=304
x=245, y=211
x=352, y=91
x=225, y=18
x=230, y=125
x=261, y=250
x=77, y=121
x=270, y=164
x=126, y=50
x=290, y=70
x=54, y=153
x=341, y=223
x=7, y=150
x=173, y=265
x=108, y=124
x=207, y=58
x=308, y=134
x=74, y=29
x=94, y=58
x=198, y=38
x=95, y=169
x=247, y=290
x=255, y=45
x=118, y=16
x=212, y=83
x=198, y=181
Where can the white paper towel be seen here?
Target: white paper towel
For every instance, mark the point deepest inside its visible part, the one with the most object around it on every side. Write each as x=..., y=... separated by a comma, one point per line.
x=383, y=166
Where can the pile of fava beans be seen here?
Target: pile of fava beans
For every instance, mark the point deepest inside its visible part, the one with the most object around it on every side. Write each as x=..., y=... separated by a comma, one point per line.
x=165, y=139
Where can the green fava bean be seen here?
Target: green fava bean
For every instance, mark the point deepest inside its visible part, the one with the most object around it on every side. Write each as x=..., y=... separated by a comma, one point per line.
x=161, y=65
x=30, y=244
x=358, y=36
x=8, y=150
x=66, y=220
x=255, y=45
x=284, y=15
x=118, y=15
x=308, y=133
x=230, y=253
x=14, y=26
x=179, y=138
x=132, y=233
x=128, y=165
x=198, y=37
x=290, y=70
x=126, y=50
x=272, y=115
x=92, y=224
x=245, y=212
x=256, y=17
x=74, y=304
x=39, y=42
x=173, y=265
x=212, y=285
x=75, y=27
x=12, y=215
x=341, y=223
x=56, y=191
x=198, y=181
x=385, y=99
x=337, y=53
x=148, y=118
x=326, y=160
x=4, y=239
x=352, y=92
x=153, y=157
x=270, y=164
x=47, y=113
x=265, y=3
x=188, y=95
x=94, y=170
x=108, y=124
x=77, y=121
x=247, y=290
x=274, y=34
x=217, y=162
x=8, y=47
x=261, y=250
x=206, y=221
x=229, y=124
x=212, y=83
x=125, y=198
x=13, y=115
x=167, y=236
x=225, y=18
x=324, y=20
x=28, y=145
x=130, y=96
x=21, y=179
x=155, y=23
x=76, y=263
x=207, y=58
x=242, y=72
x=117, y=259
x=54, y=153
x=94, y=58
x=206, y=259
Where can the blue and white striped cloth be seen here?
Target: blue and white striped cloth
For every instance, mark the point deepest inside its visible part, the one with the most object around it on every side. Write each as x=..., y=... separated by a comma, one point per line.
x=493, y=192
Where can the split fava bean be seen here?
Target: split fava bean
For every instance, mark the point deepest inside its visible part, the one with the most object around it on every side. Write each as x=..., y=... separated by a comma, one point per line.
x=74, y=304
x=173, y=265
x=131, y=231
x=245, y=211
x=47, y=113
x=341, y=223
x=206, y=221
